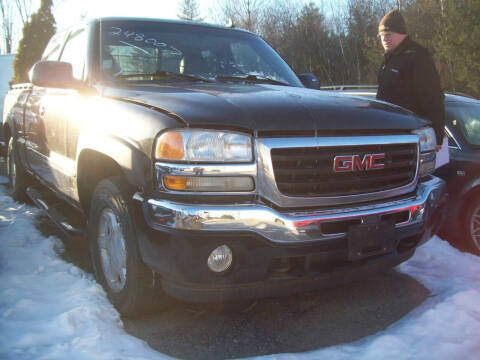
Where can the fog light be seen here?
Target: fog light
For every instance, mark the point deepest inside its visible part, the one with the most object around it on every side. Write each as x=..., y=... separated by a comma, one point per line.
x=220, y=259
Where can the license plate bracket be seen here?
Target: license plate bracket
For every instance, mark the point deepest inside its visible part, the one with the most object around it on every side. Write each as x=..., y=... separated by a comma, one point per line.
x=370, y=239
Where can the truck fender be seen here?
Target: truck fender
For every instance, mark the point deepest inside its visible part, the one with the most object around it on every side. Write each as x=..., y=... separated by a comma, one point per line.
x=134, y=163
x=475, y=183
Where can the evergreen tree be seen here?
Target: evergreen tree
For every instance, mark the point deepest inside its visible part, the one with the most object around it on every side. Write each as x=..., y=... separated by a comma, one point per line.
x=451, y=32
x=312, y=40
x=36, y=34
x=462, y=46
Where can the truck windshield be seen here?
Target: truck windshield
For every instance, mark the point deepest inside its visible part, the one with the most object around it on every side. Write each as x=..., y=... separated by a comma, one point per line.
x=467, y=118
x=139, y=51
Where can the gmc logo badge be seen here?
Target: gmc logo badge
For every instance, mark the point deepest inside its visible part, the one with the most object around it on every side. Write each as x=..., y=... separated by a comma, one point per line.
x=350, y=163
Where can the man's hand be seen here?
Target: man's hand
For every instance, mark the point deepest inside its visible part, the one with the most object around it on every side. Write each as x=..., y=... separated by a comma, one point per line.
x=438, y=147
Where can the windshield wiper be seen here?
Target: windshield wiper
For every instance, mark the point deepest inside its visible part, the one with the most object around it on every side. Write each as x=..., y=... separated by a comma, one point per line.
x=161, y=75
x=251, y=78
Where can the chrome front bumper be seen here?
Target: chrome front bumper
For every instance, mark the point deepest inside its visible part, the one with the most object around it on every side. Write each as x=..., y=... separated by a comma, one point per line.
x=292, y=226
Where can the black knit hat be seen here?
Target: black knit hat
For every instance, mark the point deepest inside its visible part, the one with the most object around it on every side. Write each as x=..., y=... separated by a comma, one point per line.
x=393, y=22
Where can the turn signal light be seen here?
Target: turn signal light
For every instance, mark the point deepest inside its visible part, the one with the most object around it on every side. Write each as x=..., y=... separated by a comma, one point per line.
x=170, y=146
x=209, y=183
x=175, y=182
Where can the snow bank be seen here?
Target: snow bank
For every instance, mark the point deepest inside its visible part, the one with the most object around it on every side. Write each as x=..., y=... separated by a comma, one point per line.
x=50, y=309
x=446, y=326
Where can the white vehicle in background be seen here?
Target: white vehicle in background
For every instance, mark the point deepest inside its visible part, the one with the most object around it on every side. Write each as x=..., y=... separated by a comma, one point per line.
x=6, y=74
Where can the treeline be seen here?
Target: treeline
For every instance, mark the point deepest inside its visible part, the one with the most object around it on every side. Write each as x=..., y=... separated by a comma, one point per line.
x=338, y=42
x=335, y=40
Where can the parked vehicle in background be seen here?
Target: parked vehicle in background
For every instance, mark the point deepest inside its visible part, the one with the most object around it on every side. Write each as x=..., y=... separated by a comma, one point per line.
x=201, y=168
x=6, y=74
x=462, y=173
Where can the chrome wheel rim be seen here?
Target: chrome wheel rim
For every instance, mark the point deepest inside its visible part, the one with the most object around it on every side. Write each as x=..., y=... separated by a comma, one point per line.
x=475, y=226
x=113, y=255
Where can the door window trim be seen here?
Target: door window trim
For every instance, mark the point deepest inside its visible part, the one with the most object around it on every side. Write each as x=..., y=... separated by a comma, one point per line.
x=450, y=135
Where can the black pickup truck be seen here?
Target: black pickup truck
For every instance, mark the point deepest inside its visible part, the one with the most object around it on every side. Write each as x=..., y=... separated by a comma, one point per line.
x=201, y=168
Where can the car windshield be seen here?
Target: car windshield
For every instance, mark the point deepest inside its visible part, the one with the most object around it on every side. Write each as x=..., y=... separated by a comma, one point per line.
x=149, y=51
x=466, y=117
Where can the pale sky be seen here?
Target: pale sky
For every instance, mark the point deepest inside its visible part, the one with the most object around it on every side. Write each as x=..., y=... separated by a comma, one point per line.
x=69, y=12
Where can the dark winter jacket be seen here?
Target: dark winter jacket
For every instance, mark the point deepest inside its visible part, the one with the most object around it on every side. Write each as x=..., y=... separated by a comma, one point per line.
x=408, y=78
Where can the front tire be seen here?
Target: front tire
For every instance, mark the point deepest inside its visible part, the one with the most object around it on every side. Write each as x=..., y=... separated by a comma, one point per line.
x=18, y=178
x=472, y=225
x=116, y=259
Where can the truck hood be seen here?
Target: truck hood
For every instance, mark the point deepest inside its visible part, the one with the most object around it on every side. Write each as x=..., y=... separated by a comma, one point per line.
x=268, y=108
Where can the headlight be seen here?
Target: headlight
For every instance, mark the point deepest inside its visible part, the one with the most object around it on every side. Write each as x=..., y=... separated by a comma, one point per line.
x=428, y=142
x=204, y=146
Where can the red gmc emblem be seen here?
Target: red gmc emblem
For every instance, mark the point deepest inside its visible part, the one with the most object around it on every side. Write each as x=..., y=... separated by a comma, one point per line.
x=350, y=163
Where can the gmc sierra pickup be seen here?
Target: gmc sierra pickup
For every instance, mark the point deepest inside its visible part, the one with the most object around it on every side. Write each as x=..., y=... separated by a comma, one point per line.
x=201, y=168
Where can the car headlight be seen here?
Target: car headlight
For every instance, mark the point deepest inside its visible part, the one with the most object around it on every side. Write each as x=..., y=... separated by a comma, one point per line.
x=204, y=146
x=428, y=140
x=218, y=156
x=428, y=143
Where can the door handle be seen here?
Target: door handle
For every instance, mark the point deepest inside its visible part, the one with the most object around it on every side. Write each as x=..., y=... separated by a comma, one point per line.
x=41, y=111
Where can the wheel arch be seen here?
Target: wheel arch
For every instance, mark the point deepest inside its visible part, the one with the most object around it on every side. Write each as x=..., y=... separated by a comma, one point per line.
x=100, y=157
x=470, y=201
x=469, y=191
x=6, y=132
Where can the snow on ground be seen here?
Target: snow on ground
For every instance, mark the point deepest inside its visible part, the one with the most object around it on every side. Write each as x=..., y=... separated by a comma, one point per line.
x=50, y=309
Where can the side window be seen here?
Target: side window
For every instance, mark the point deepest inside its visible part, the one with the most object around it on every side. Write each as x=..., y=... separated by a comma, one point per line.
x=52, y=51
x=75, y=51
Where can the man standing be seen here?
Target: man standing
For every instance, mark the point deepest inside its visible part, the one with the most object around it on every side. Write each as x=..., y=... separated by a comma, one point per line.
x=408, y=77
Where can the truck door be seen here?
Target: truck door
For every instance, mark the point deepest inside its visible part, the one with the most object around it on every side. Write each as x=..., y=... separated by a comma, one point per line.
x=57, y=109
x=37, y=148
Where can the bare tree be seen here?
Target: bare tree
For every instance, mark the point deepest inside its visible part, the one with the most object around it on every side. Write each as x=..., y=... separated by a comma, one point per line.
x=241, y=13
x=6, y=11
x=189, y=10
x=277, y=27
x=24, y=8
x=14, y=14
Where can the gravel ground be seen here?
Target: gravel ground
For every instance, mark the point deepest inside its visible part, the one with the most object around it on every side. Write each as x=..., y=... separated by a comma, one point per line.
x=297, y=323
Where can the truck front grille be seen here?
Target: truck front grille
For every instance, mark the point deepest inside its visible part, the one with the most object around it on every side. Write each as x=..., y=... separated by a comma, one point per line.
x=310, y=171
